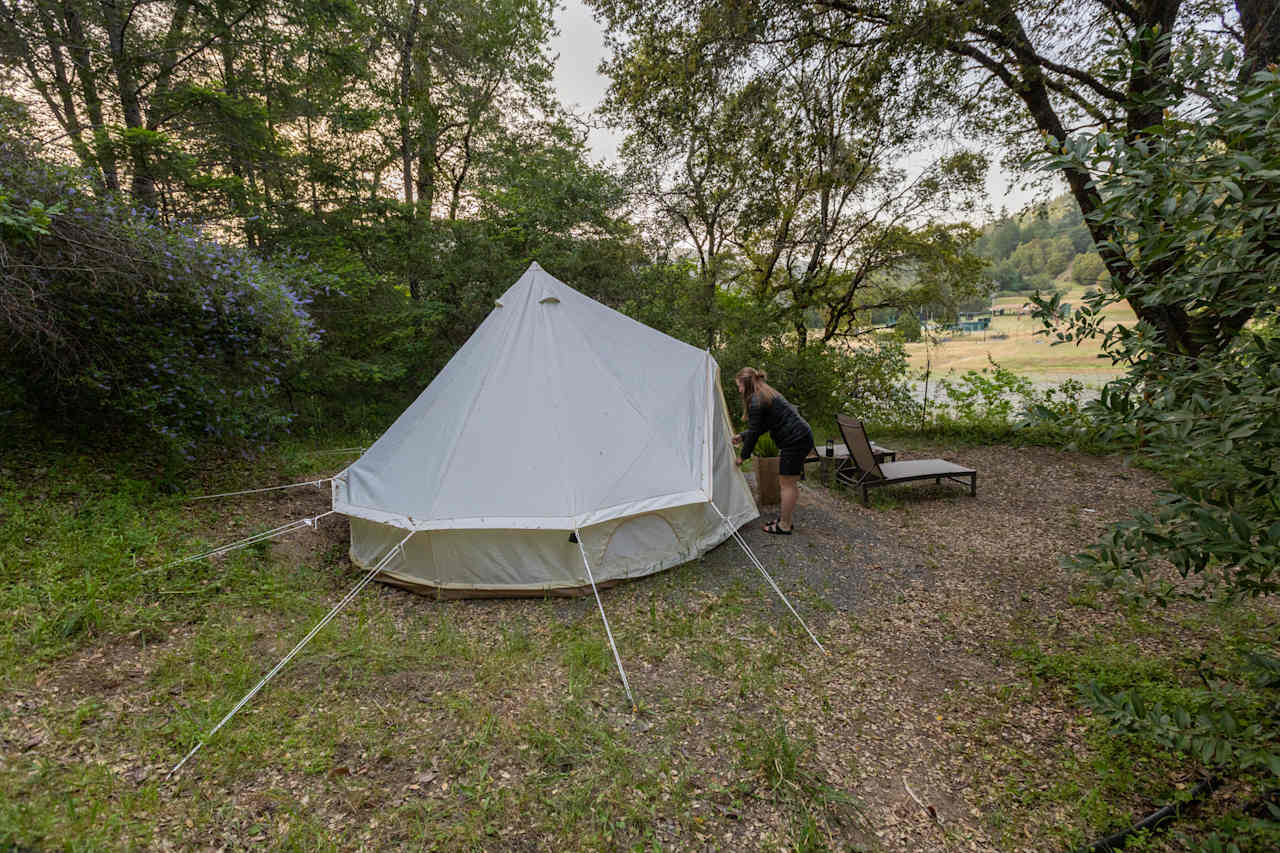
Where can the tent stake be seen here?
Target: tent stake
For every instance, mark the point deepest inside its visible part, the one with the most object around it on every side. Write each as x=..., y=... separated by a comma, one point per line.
x=743, y=543
x=617, y=659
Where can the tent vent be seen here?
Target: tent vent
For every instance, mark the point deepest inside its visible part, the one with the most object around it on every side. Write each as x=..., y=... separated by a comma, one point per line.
x=549, y=300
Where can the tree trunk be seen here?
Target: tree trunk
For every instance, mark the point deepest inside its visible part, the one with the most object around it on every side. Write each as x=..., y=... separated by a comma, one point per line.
x=1152, y=64
x=426, y=182
x=455, y=195
x=78, y=47
x=407, y=43
x=62, y=82
x=169, y=61
x=143, y=183
x=237, y=162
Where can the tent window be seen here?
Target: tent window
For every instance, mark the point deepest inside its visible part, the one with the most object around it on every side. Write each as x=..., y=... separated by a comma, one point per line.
x=641, y=538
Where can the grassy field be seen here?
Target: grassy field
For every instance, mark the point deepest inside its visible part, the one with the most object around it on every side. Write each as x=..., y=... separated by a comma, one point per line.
x=1012, y=342
x=944, y=717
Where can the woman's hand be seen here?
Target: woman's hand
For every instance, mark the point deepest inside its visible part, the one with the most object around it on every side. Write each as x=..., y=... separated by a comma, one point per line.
x=737, y=440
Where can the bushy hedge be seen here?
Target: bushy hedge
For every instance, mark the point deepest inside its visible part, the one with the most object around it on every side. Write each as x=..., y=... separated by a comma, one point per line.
x=108, y=317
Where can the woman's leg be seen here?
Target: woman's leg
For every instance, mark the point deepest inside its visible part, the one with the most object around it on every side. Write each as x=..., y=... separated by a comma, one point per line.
x=789, y=485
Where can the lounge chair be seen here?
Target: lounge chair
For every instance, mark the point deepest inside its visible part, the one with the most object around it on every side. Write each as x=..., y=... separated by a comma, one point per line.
x=864, y=471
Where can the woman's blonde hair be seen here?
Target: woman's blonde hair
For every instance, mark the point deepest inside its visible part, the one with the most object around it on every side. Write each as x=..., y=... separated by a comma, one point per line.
x=753, y=384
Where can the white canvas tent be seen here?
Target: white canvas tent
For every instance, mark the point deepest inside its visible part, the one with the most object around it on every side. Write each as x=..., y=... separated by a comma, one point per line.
x=558, y=415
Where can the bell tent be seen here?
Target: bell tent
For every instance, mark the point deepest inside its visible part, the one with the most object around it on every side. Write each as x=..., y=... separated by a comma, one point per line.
x=559, y=416
x=564, y=447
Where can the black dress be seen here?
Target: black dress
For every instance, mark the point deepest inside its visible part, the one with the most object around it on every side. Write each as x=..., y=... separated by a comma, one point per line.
x=790, y=432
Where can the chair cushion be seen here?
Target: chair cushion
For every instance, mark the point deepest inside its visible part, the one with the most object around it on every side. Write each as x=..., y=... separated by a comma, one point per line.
x=921, y=468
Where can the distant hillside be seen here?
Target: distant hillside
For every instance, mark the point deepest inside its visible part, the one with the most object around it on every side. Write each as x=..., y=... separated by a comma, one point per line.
x=1044, y=247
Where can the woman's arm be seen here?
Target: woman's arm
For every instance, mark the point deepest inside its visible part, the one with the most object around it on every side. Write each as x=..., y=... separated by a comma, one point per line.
x=755, y=428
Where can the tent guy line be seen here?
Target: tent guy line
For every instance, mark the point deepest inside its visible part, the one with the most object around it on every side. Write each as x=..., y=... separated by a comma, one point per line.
x=608, y=631
x=751, y=555
x=316, y=483
x=633, y=458
x=347, y=599
x=273, y=533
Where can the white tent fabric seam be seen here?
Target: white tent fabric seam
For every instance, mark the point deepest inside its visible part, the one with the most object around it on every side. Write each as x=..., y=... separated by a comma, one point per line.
x=546, y=522
x=462, y=426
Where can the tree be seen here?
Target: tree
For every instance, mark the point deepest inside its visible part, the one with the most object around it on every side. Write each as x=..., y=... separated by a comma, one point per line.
x=457, y=66
x=1006, y=238
x=1195, y=206
x=1028, y=72
x=908, y=327
x=684, y=155
x=830, y=220
x=775, y=165
x=1087, y=269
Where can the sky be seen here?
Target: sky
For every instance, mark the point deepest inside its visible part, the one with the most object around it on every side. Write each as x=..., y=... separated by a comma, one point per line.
x=580, y=46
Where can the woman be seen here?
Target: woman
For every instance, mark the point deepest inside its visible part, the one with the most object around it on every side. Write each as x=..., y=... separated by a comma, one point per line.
x=768, y=411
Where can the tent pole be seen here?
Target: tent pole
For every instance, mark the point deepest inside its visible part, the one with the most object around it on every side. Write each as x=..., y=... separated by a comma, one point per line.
x=381, y=564
x=743, y=543
x=617, y=659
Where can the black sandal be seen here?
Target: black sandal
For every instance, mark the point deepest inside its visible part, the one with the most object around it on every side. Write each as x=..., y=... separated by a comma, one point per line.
x=776, y=529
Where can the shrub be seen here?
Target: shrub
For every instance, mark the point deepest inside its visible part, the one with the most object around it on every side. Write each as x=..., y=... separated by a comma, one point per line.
x=984, y=397
x=108, y=316
x=766, y=446
x=823, y=381
x=908, y=327
x=1193, y=208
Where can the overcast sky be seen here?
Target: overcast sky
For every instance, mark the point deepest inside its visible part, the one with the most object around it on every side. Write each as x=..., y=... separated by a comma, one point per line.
x=580, y=46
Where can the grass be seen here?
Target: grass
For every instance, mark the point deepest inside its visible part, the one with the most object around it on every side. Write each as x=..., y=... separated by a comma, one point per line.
x=82, y=541
x=1013, y=343
x=535, y=698
x=1107, y=778
x=448, y=725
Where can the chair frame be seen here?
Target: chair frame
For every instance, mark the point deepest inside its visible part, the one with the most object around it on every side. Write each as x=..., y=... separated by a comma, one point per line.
x=862, y=469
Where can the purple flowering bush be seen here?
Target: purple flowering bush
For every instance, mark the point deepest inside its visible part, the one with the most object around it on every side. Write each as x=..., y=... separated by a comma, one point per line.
x=108, y=317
